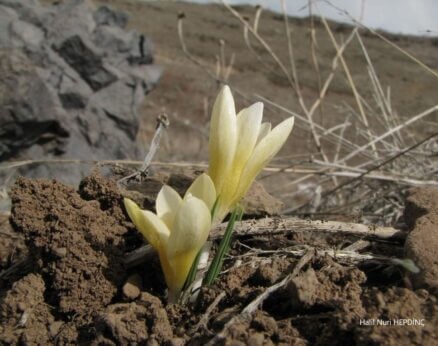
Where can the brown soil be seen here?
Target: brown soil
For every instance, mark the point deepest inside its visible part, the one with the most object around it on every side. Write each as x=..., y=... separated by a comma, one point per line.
x=75, y=288
x=422, y=243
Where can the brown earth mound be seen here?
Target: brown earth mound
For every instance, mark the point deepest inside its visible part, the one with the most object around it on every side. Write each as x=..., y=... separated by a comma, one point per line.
x=76, y=289
x=422, y=243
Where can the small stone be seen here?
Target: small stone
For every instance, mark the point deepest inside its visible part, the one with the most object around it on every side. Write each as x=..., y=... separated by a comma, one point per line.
x=422, y=293
x=152, y=342
x=132, y=288
x=303, y=288
x=21, y=306
x=177, y=342
x=256, y=339
x=264, y=322
x=60, y=252
x=54, y=328
x=236, y=343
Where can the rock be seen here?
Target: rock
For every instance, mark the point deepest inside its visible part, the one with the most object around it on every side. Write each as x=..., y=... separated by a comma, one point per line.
x=72, y=17
x=302, y=289
x=29, y=11
x=421, y=214
x=116, y=40
x=263, y=322
x=72, y=86
x=116, y=101
x=107, y=16
x=25, y=34
x=85, y=61
x=136, y=323
x=256, y=339
x=23, y=95
x=7, y=17
x=54, y=328
x=177, y=342
x=258, y=202
x=60, y=252
x=132, y=288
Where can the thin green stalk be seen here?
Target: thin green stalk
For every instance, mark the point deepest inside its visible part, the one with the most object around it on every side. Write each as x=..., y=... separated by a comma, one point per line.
x=224, y=246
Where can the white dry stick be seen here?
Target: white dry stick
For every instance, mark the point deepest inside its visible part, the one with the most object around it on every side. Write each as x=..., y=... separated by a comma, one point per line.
x=284, y=225
x=269, y=226
x=162, y=124
x=397, y=178
x=204, y=319
x=408, y=122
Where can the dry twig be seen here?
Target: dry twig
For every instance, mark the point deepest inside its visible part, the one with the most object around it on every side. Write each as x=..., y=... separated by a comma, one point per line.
x=248, y=311
x=270, y=226
x=204, y=319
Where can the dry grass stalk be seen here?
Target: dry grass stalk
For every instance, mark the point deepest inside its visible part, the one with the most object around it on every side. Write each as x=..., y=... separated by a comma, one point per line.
x=289, y=225
x=271, y=226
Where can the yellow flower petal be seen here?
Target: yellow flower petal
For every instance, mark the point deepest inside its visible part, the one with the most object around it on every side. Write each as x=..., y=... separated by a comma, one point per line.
x=248, y=127
x=153, y=229
x=223, y=136
x=203, y=188
x=191, y=228
x=268, y=147
x=265, y=128
x=167, y=204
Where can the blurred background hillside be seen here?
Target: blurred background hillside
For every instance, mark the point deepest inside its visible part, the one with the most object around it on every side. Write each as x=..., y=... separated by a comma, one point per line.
x=352, y=90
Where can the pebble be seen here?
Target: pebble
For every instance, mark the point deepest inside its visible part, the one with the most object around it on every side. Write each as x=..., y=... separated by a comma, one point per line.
x=132, y=288
x=256, y=339
x=54, y=328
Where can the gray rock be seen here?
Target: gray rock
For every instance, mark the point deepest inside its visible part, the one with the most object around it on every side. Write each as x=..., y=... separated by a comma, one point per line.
x=85, y=61
x=7, y=17
x=72, y=85
x=25, y=34
x=24, y=94
x=107, y=16
x=74, y=17
x=116, y=40
x=116, y=102
x=29, y=11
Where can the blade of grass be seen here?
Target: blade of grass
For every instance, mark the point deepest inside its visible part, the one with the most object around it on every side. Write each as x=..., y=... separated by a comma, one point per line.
x=224, y=246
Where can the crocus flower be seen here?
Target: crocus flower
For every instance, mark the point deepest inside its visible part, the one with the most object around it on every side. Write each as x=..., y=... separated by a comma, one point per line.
x=240, y=147
x=179, y=228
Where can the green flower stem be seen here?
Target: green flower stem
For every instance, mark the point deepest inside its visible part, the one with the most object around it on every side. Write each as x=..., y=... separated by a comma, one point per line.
x=224, y=246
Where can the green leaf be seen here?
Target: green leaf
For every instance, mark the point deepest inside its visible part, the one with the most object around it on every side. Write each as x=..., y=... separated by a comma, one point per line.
x=224, y=246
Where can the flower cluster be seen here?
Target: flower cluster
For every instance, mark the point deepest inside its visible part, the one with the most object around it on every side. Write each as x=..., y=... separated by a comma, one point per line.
x=240, y=147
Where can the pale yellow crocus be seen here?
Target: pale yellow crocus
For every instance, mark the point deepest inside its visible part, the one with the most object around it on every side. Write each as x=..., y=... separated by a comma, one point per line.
x=179, y=228
x=240, y=147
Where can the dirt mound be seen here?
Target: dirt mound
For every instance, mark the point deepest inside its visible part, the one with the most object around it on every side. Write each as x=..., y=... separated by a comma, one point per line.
x=77, y=289
x=25, y=317
x=135, y=323
x=76, y=242
x=421, y=245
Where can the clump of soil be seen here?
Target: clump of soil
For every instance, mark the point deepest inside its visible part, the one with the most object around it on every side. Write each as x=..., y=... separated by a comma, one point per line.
x=422, y=243
x=76, y=287
x=135, y=323
x=25, y=316
x=77, y=244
